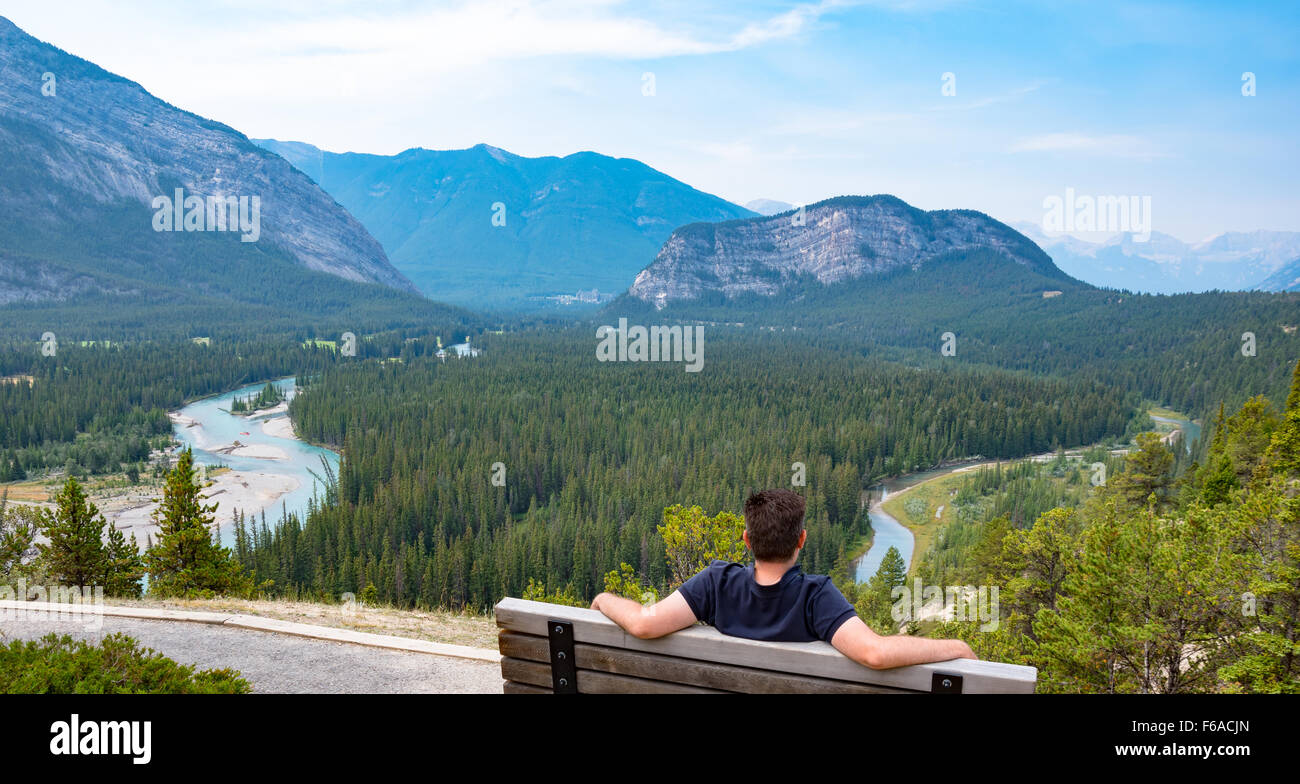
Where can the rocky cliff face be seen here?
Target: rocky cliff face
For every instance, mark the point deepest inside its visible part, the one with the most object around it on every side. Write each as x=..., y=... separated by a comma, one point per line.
x=83, y=139
x=831, y=241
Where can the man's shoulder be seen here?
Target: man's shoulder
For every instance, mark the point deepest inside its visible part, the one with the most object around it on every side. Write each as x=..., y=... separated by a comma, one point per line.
x=719, y=571
x=818, y=583
x=724, y=567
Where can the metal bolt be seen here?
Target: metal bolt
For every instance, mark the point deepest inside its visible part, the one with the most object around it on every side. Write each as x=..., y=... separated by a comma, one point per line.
x=560, y=654
x=564, y=682
x=559, y=630
x=947, y=683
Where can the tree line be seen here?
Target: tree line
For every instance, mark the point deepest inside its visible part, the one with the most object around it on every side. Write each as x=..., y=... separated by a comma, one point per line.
x=462, y=480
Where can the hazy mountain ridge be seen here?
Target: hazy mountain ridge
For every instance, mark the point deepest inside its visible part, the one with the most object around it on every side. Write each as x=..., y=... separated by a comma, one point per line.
x=101, y=145
x=839, y=239
x=1285, y=279
x=768, y=206
x=1231, y=261
x=582, y=221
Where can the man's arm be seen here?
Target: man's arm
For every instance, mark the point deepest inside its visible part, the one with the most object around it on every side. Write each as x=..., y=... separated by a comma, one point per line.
x=664, y=617
x=857, y=641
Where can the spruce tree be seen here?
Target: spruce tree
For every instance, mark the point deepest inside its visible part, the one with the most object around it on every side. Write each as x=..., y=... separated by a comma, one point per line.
x=187, y=559
x=124, y=565
x=893, y=571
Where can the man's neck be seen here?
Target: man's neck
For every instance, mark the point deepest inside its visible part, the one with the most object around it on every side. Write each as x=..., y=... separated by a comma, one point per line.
x=771, y=572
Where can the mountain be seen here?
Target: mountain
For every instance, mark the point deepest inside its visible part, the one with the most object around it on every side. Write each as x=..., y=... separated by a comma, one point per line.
x=944, y=289
x=1233, y=261
x=87, y=155
x=833, y=241
x=768, y=206
x=484, y=227
x=1285, y=279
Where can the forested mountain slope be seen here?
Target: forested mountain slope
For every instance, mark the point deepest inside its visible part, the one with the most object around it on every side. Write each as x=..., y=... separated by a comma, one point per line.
x=484, y=227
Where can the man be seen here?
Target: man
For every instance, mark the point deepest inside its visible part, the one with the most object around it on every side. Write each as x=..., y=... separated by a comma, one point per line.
x=774, y=599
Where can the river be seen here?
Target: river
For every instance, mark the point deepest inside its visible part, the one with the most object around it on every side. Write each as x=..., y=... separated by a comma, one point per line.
x=280, y=479
x=888, y=532
x=1191, y=430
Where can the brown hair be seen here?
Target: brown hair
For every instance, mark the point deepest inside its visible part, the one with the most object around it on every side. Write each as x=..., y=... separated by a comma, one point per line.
x=774, y=519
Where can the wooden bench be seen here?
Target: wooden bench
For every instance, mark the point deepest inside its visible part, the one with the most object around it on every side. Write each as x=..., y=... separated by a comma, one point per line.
x=550, y=648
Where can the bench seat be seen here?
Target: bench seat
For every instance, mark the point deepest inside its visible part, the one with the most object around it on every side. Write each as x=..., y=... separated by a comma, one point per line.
x=548, y=648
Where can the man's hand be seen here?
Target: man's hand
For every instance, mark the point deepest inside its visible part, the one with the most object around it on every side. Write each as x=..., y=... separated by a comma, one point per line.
x=857, y=641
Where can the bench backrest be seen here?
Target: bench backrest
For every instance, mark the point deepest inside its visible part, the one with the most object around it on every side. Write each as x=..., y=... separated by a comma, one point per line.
x=549, y=648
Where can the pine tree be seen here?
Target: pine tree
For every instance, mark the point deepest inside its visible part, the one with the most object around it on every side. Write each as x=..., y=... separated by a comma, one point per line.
x=75, y=553
x=18, y=528
x=1283, y=456
x=188, y=559
x=1148, y=471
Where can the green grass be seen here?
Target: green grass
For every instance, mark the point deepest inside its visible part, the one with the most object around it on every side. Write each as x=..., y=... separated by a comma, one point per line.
x=1168, y=413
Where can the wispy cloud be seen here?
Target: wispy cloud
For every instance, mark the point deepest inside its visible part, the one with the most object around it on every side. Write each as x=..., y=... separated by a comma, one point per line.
x=1107, y=145
x=454, y=37
x=1004, y=97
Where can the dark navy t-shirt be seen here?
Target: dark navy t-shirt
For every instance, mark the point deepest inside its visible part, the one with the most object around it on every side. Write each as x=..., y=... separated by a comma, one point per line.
x=799, y=608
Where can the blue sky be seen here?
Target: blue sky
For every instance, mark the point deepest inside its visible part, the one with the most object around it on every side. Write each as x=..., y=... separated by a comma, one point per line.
x=792, y=101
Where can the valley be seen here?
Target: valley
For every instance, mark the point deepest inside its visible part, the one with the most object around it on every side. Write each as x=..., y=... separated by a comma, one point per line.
x=426, y=381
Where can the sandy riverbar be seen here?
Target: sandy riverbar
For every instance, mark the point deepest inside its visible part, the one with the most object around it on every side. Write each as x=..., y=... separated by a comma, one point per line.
x=279, y=427
x=231, y=491
x=259, y=451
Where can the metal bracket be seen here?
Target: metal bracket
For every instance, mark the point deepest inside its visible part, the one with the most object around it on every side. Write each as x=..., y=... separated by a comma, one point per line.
x=945, y=684
x=564, y=669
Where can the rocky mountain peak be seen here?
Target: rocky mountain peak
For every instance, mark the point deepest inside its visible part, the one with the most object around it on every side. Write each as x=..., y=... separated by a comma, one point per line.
x=831, y=241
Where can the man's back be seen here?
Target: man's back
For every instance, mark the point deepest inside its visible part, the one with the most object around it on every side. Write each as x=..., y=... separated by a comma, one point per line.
x=793, y=607
x=798, y=608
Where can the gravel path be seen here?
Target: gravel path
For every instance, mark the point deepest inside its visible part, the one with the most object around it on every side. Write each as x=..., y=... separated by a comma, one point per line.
x=284, y=663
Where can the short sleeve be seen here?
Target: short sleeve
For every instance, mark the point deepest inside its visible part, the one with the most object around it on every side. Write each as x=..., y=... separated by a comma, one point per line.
x=701, y=592
x=828, y=611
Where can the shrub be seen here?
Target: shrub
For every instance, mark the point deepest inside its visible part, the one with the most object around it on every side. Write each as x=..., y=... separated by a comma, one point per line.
x=58, y=664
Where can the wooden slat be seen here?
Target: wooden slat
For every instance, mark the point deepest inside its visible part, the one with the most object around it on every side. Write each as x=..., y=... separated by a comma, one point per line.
x=529, y=672
x=817, y=659
x=591, y=682
x=711, y=675
x=511, y=687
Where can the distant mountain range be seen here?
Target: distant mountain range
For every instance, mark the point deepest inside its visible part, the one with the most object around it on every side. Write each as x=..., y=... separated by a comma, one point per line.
x=1285, y=279
x=768, y=206
x=1233, y=261
x=89, y=158
x=836, y=240
x=483, y=227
